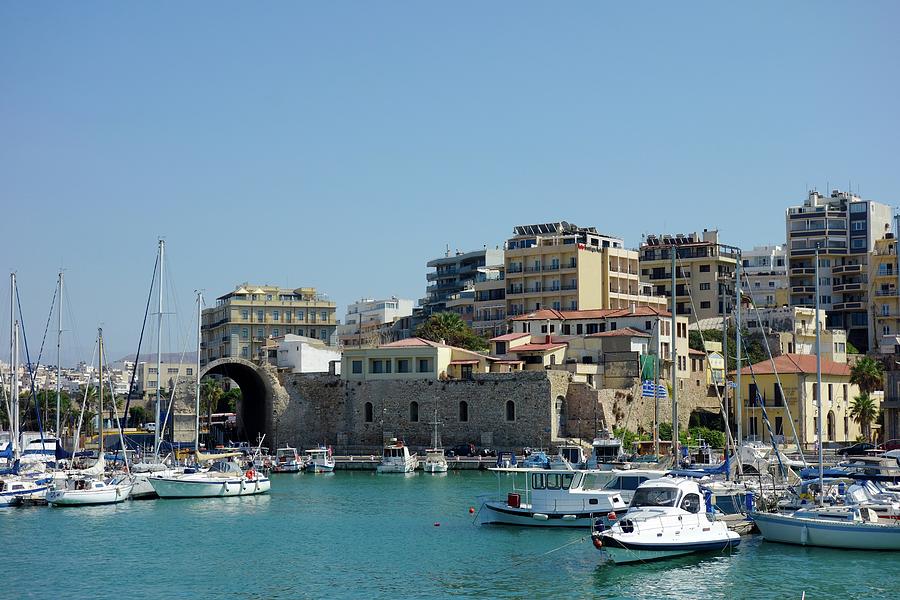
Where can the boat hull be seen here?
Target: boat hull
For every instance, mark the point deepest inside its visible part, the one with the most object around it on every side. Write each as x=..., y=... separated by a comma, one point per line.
x=500, y=513
x=621, y=552
x=430, y=467
x=816, y=532
x=174, y=487
x=113, y=495
x=319, y=468
x=16, y=497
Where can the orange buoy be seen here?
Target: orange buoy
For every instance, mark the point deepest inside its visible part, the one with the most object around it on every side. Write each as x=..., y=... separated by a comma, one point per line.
x=611, y=516
x=471, y=510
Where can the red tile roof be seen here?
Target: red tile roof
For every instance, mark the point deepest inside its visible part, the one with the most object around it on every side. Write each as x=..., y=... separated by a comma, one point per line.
x=797, y=363
x=599, y=313
x=535, y=348
x=464, y=362
x=509, y=337
x=411, y=342
x=625, y=331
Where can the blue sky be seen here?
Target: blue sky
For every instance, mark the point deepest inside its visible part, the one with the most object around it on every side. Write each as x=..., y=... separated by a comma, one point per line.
x=343, y=144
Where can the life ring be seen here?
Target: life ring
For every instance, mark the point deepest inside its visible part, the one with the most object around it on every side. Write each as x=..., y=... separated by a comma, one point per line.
x=249, y=474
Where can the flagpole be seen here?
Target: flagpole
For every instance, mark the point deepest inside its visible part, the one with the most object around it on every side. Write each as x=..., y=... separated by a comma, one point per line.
x=656, y=407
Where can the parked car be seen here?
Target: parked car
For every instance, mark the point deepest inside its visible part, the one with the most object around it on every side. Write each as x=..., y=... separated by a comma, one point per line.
x=890, y=445
x=858, y=449
x=462, y=450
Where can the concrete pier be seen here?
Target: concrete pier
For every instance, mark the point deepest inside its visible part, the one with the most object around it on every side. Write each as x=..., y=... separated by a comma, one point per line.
x=369, y=462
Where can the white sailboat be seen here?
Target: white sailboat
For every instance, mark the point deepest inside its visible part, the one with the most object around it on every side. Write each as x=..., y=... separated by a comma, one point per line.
x=435, y=461
x=854, y=527
x=224, y=478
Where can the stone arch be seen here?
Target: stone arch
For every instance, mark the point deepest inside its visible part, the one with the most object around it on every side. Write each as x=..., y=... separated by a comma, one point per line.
x=263, y=401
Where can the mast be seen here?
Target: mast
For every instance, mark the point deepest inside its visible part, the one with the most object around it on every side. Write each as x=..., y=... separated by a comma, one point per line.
x=819, y=386
x=58, y=337
x=159, y=314
x=738, y=395
x=100, y=389
x=197, y=381
x=14, y=367
x=674, y=364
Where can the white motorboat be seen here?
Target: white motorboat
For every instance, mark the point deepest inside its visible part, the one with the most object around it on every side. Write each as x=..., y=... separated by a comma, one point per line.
x=606, y=450
x=396, y=458
x=88, y=490
x=552, y=499
x=666, y=518
x=14, y=489
x=287, y=460
x=320, y=460
x=435, y=461
x=224, y=478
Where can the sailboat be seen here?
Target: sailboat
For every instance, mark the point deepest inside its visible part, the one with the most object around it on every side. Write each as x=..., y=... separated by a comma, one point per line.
x=855, y=527
x=435, y=461
x=224, y=477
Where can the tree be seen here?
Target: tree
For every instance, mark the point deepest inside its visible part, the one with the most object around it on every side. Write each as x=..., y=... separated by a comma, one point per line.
x=210, y=392
x=864, y=412
x=138, y=415
x=228, y=401
x=451, y=329
x=868, y=374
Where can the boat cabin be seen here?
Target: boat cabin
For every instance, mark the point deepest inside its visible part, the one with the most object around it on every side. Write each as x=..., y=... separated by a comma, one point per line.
x=668, y=493
x=554, y=491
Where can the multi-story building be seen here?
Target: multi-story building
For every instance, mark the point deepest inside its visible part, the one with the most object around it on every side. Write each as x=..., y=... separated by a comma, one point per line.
x=884, y=271
x=463, y=304
x=844, y=228
x=245, y=318
x=174, y=369
x=704, y=273
x=490, y=302
x=765, y=270
x=365, y=318
x=795, y=327
x=561, y=266
x=453, y=274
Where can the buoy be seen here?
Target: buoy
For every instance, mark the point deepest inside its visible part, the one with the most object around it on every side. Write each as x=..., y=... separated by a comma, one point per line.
x=611, y=516
x=471, y=510
x=598, y=543
x=437, y=524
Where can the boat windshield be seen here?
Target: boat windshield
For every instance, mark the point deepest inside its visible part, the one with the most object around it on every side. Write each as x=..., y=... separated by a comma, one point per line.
x=222, y=466
x=654, y=496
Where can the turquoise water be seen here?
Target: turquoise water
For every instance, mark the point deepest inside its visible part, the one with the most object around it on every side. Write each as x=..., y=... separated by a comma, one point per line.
x=362, y=535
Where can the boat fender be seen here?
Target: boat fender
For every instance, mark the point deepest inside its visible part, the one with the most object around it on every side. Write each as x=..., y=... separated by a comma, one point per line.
x=226, y=487
x=748, y=501
x=611, y=516
x=598, y=543
x=249, y=474
x=707, y=497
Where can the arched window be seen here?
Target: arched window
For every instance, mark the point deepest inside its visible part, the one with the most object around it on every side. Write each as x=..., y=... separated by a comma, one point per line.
x=510, y=410
x=369, y=416
x=414, y=412
x=463, y=411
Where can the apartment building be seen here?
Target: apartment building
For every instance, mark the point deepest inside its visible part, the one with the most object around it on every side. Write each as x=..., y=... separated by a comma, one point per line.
x=764, y=275
x=364, y=319
x=884, y=271
x=174, y=369
x=704, y=273
x=453, y=274
x=490, y=302
x=795, y=327
x=242, y=320
x=561, y=266
x=845, y=228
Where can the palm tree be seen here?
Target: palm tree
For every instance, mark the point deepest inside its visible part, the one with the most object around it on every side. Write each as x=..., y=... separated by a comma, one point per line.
x=868, y=374
x=210, y=392
x=450, y=328
x=864, y=411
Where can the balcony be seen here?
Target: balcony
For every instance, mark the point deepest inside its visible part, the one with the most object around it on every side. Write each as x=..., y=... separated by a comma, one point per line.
x=885, y=273
x=847, y=287
x=803, y=271
x=803, y=289
x=847, y=306
x=886, y=293
x=837, y=270
x=513, y=269
x=514, y=290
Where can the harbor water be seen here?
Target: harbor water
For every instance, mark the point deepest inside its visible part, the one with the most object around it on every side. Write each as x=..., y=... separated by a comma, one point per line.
x=361, y=535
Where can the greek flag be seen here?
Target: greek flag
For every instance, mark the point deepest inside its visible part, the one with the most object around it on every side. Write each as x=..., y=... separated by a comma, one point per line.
x=648, y=388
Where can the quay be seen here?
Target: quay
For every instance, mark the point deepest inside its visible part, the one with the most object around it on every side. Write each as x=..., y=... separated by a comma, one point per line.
x=370, y=462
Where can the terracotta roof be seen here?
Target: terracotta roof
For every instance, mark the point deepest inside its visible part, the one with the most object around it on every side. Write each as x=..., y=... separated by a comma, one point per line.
x=508, y=362
x=797, y=363
x=698, y=352
x=625, y=331
x=509, y=337
x=599, y=313
x=535, y=348
x=464, y=362
x=412, y=342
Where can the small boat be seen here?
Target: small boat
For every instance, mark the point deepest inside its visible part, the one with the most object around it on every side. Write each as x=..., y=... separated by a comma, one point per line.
x=855, y=527
x=606, y=450
x=224, y=478
x=665, y=519
x=552, y=499
x=435, y=461
x=570, y=456
x=506, y=460
x=14, y=489
x=536, y=460
x=86, y=490
x=287, y=460
x=320, y=460
x=396, y=458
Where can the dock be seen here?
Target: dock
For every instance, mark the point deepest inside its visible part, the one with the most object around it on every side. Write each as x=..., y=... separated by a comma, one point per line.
x=457, y=463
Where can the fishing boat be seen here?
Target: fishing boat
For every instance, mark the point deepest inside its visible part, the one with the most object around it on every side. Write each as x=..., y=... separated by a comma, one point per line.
x=551, y=499
x=396, y=458
x=85, y=490
x=435, y=461
x=665, y=519
x=606, y=451
x=287, y=460
x=319, y=460
x=224, y=478
x=570, y=456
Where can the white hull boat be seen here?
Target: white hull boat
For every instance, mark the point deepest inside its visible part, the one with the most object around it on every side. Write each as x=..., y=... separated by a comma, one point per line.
x=14, y=490
x=664, y=520
x=435, y=461
x=858, y=528
x=320, y=460
x=224, y=479
x=287, y=460
x=396, y=459
x=88, y=492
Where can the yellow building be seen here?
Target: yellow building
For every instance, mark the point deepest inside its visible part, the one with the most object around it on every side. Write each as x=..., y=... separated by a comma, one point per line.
x=704, y=272
x=562, y=266
x=883, y=274
x=242, y=320
x=174, y=371
x=412, y=358
x=798, y=380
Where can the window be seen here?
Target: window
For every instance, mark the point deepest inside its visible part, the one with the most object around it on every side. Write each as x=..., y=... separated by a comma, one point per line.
x=424, y=365
x=245, y=332
x=579, y=329
x=189, y=371
x=403, y=365
x=172, y=370
x=369, y=416
x=859, y=225
x=299, y=315
x=275, y=332
x=463, y=411
x=324, y=316
x=414, y=412
x=287, y=316
x=323, y=334
x=244, y=352
x=260, y=333
x=245, y=314
x=276, y=315
x=648, y=325
x=779, y=425
x=260, y=315
x=153, y=371
x=151, y=385
x=831, y=392
x=510, y=410
x=704, y=268
x=704, y=286
x=704, y=305
x=858, y=243
x=691, y=503
x=356, y=367
x=376, y=366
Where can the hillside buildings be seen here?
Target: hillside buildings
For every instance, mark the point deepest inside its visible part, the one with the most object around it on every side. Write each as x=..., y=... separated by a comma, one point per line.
x=884, y=271
x=764, y=275
x=453, y=274
x=242, y=320
x=365, y=318
x=845, y=228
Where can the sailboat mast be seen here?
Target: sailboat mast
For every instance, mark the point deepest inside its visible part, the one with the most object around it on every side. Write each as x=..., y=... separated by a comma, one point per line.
x=738, y=394
x=674, y=362
x=159, y=314
x=197, y=380
x=819, y=386
x=100, y=389
x=58, y=342
x=14, y=367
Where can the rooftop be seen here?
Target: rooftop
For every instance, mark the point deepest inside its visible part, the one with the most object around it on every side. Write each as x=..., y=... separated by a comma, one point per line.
x=796, y=363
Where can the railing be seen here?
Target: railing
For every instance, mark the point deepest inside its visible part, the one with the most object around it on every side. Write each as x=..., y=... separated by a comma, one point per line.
x=886, y=292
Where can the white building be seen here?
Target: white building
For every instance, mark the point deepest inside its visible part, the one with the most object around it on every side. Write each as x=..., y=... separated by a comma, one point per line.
x=366, y=316
x=305, y=355
x=766, y=269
